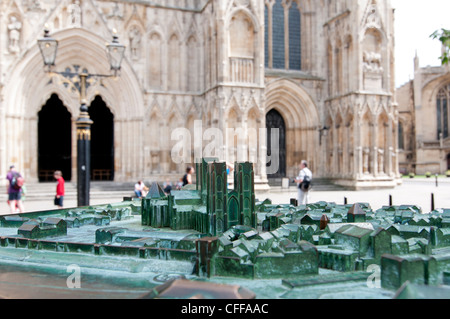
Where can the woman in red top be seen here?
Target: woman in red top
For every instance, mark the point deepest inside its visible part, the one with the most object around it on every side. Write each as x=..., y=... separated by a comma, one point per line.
x=59, y=189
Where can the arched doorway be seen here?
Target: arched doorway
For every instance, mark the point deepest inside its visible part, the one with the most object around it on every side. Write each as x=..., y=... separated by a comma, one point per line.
x=275, y=120
x=102, y=141
x=54, y=140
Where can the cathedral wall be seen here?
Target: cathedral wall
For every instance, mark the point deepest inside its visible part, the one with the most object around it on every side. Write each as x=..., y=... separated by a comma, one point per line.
x=432, y=122
x=406, y=127
x=197, y=65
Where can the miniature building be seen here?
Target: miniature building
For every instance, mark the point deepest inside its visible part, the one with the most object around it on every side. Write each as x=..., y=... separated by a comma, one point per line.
x=51, y=227
x=356, y=214
x=210, y=232
x=417, y=269
x=12, y=221
x=211, y=208
x=353, y=236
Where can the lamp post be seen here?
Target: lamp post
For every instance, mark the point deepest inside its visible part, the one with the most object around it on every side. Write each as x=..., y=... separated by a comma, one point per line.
x=115, y=52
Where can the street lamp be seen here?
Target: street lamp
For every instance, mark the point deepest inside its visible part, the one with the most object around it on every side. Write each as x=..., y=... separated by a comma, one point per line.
x=48, y=47
x=115, y=52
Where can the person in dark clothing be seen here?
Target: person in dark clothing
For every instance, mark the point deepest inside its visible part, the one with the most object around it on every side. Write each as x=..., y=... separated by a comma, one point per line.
x=187, y=178
x=167, y=187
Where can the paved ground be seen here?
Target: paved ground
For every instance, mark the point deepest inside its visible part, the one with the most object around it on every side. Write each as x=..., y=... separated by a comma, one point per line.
x=411, y=192
x=415, y=191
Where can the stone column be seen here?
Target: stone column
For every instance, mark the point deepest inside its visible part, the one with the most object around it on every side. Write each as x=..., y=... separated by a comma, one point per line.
x=346, y=149
x=373, y=157
x=32, y=154
x=270, y=4
x=333, y=148
x=389, y=148
x=262, y=150
x=118, y=150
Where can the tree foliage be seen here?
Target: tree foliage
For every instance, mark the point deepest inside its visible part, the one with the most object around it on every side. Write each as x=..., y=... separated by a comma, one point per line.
x=443, y=36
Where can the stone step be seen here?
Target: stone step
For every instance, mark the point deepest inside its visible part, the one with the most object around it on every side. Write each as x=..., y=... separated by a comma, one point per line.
x=98, y=190
x=107, y=189
x=318, y=184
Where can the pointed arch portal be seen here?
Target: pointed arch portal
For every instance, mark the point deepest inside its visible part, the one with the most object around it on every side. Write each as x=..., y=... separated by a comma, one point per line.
x=275, y=120
x=54, y=140
x=102, y=141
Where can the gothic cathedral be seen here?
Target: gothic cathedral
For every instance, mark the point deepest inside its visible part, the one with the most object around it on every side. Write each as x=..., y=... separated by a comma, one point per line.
x=271, y=82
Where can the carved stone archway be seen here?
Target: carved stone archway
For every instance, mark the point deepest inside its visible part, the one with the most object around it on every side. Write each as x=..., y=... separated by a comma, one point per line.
x=33, y=87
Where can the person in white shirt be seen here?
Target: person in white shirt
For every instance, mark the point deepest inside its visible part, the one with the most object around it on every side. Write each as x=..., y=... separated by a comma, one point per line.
x=303, y=195
x=139, y=189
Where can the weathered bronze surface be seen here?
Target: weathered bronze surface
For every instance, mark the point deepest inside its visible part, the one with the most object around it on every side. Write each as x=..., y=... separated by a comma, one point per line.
x=209, y=241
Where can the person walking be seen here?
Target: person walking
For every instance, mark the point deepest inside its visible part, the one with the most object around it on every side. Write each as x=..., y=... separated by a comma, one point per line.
x=60, y=189
x=187, y=178
x=305, y=175
x=14, y=190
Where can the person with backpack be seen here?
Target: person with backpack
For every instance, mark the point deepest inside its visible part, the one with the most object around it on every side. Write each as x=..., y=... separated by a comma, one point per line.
x=303, y=181
x=14, y=189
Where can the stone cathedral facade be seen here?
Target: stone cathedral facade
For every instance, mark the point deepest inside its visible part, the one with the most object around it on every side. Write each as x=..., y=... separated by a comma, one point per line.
x=320, y=72
x=423, y=121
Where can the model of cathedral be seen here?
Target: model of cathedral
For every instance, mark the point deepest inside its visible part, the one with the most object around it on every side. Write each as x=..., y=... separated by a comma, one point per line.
x=211, y=207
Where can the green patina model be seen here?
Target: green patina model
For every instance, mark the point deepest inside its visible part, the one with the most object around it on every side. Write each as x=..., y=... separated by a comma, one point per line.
x=208, y=232
x=211, y=208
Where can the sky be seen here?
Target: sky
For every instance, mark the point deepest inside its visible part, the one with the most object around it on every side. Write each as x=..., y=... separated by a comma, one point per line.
x=415, y=21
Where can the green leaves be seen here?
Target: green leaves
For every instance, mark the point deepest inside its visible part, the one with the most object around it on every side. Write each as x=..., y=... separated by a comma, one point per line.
x=443, y=36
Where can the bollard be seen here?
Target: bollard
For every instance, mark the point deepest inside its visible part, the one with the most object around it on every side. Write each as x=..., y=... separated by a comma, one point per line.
x=390, y=200
x=345, y=200
x=294, y=201
x=432, y=201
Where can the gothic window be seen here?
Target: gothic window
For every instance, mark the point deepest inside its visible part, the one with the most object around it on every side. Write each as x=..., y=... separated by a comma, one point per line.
x=347, y=66
x=294, y=38
x=174, y=64
x=442, y=112
x=193, y=65
x=338, y=72
x=274, y=120
x=278, y=48
x=266, y=38
x=401, y=138
x=155, y=59
x=282, y=35
x=242, y=48
x=241, y=44
x=330, y=69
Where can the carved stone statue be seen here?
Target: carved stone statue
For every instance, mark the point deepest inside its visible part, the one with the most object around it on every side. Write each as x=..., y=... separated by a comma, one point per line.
x=372, y=62
x=74, y=10
x=14, y=28
x=135, y=43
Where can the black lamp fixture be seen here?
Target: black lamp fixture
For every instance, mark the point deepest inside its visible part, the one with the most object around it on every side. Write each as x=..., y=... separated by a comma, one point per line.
x=48, y=47
x=115, y=53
